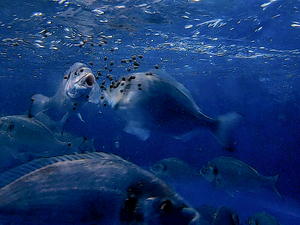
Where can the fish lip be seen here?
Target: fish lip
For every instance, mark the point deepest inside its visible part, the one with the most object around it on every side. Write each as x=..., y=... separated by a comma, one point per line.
x=87, y=80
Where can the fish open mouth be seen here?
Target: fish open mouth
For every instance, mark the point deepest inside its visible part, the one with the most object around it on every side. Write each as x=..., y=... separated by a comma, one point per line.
x=90, y=79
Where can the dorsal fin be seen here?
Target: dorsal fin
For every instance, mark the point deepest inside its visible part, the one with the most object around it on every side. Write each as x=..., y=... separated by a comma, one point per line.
x=17, y=172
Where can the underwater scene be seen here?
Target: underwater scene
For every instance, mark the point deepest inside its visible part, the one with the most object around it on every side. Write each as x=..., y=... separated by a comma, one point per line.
x=150, y=112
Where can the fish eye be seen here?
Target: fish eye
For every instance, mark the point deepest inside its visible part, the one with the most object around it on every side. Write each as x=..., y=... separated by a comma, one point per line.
x=216, y=171
x=166, y=206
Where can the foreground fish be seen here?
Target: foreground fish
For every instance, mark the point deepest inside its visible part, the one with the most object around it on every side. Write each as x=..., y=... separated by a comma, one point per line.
x=93, y=188
x=154, y=101
x=23, y=138
x=262, y=218
x=175, y=169
x=234, y=175
x=78, y=87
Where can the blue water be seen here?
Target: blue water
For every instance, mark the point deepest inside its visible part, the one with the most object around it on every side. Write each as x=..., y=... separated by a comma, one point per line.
x=231, y=55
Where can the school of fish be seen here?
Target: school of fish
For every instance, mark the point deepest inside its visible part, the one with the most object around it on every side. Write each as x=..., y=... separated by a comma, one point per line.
x=49, y=176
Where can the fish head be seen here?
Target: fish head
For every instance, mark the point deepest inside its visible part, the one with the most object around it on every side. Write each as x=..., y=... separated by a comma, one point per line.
x=79, y=81
x=209, y=172
x=156, y=203
x=168, y=210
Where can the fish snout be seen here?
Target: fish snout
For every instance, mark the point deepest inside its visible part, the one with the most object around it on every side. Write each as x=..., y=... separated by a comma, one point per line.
x=89, y=80
x=192, y=215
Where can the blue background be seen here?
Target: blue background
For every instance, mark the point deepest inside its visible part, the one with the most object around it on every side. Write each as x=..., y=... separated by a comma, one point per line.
x=237, y=55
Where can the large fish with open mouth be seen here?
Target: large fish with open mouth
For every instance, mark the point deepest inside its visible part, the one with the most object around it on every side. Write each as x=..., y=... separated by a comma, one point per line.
x=78, y=87
x=154, y=101
x=93, y=188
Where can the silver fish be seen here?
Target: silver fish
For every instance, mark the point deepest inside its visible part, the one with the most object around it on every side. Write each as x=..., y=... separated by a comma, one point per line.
x=154, y=101
x=234, y=175
x=226, y=216
x=262, y=218
x=175, y=169
x=93, y=188
x=23, y=138
x=78, y=87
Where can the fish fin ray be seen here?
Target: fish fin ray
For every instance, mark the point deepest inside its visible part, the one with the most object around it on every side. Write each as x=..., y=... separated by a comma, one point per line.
x=39, y=104
x=64, y=120
x=273, y=180
x=17, y=172
x=87, y=145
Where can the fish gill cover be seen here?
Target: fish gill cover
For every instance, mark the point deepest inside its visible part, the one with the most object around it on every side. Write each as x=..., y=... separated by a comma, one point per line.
x=231, y=55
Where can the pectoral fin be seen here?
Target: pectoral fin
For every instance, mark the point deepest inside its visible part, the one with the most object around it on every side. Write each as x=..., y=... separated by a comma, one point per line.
x=80, y=117
x=136, y=129
x=63, y=121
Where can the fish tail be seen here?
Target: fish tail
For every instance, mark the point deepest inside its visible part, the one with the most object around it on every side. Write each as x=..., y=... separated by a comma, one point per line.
x=226, y=124
x=273, y=181
x=87, y=145
x=39, y=104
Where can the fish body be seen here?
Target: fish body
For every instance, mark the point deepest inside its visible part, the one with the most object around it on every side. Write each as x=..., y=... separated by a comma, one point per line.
x=175, y=169
x=262, y=218
x=78, y=87
x=93, y=188
x=154, y=101
x=23, y=138
x=234, y=175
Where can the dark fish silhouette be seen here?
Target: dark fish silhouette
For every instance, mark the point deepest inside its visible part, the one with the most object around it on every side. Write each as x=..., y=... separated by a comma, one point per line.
x=93, y=188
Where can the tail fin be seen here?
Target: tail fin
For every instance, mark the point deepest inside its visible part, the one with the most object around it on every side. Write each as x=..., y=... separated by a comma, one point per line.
x=227, y=123
x=39, y=104
x=273, y=181
x=87, y=145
